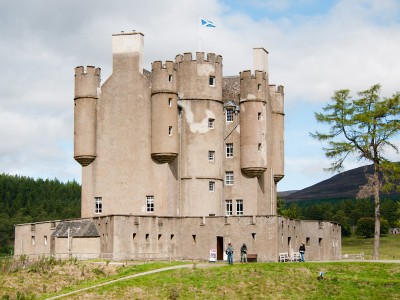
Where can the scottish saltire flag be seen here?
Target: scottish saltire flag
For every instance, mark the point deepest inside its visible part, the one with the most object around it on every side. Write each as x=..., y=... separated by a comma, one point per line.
x=206, y=23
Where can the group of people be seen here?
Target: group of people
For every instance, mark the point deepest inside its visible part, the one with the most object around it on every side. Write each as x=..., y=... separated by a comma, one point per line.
x=243, y=253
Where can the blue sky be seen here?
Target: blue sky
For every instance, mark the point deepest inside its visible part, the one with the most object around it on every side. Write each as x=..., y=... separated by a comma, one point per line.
x=315, y=47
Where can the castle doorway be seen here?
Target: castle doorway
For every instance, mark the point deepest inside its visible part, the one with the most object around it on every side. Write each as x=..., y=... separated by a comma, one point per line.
x=220, y=248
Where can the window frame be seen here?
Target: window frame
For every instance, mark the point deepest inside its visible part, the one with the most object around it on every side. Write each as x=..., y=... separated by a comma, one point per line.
x=211, y=123
x=149, y=203
x=228, y=207
x=211, y=186
x=98, y=205
x=229, y=179
x=229, y=115
x=239, y=207
x=211, y=156
x=229, y=150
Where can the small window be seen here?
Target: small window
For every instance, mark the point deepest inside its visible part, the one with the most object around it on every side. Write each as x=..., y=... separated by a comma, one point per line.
x=228, y=205
x=211, y=156
x=169, y=77
x=211, y=81
x=45, y=239
x=320, y=242
x=229, y=115
x=229, y=178
x=307, y=241
x=33, y=240
x=170, y=102
x=172, y=237
x=259, y=116
x=239, y=207
x=211, y=186
x=229, y=150
x=159, y=236
x=150, y=203
x=259, y=87
x=133, y=236
x=170, y=130
x=211, y=123
x=194, y=238
x=98, y=205
x=147, y=236
x=33, y=227
x=259, y=146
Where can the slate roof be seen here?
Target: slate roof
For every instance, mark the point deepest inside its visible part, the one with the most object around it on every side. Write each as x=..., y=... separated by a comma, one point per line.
x=78, y=228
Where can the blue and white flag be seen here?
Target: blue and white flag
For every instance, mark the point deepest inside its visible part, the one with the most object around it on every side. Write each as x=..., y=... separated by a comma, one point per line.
x=206, y=23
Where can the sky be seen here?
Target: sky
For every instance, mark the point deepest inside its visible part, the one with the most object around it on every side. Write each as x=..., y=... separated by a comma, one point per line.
x=315, y=48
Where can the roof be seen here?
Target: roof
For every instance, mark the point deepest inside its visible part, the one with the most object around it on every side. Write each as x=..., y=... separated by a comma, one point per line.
x=79, y=228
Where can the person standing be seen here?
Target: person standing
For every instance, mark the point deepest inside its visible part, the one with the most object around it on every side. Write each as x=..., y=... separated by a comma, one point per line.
x=243, y=253
x=229, y=252
x=302, y=250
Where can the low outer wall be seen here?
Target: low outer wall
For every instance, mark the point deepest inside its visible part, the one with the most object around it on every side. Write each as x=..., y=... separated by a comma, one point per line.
x=162, y=238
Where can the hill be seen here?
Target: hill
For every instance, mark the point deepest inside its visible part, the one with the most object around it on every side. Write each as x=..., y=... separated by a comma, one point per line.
x=341, y=186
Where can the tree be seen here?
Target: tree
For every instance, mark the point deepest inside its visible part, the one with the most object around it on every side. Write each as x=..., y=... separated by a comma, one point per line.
x=365, y=226
x=363, y=127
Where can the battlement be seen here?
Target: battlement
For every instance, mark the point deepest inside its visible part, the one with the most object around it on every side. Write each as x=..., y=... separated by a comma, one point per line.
x=247, y=75
x=168, y=65
x=211, y=58
x=90, y=70
x=274, y=89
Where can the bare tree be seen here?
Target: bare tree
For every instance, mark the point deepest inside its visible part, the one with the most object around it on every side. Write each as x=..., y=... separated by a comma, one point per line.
x=363, y=127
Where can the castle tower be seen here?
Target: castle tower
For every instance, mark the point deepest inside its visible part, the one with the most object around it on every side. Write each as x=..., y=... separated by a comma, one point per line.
x=85, y=117
x=164, y=112
x=253, y=144
x=202, y=128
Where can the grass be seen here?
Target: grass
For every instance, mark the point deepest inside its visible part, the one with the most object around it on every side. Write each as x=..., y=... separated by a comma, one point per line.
x=342, y=280
x=388, y=248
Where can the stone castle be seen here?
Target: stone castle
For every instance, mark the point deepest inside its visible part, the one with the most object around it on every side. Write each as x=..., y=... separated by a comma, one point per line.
x=177, y=162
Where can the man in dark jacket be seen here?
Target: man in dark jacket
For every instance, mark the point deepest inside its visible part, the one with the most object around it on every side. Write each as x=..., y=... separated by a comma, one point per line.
x=243, y=253
x=302, y=250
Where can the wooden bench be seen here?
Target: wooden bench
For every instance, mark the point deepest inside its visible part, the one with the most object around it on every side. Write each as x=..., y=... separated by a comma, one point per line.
x=296, y=256
x=251, y=257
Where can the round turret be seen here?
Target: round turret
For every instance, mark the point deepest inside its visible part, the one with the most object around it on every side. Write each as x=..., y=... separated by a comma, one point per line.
x=85, y=116
x=164, y=112
x=253, y=144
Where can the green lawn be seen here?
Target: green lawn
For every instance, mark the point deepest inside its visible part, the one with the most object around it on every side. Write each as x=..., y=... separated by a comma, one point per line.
x=389, y=246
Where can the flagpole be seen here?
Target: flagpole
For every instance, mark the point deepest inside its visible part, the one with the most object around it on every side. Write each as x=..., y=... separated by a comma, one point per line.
x=198, y=34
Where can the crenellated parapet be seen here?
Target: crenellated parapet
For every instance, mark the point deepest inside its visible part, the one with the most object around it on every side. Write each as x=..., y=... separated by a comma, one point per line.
x=86, y=82
x=200, y=78
x=253, y=87
x=164, y=77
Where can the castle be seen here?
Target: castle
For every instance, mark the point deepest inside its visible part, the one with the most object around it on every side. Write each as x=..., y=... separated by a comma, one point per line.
x=177, y=162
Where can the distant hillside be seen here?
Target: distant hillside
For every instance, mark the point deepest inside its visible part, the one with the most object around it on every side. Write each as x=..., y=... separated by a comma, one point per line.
x=341, y=186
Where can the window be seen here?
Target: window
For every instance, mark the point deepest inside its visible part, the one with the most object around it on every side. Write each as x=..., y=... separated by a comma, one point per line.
x=211, y=123
x=259, y=87
x=211, y=81
x=259, y=116
x=170, y=130
x=170, y=78
x=211, y=155
x=259, y=147
x=239, y=207
x=170, y=102
x=211, y=186
x=98, y=205
x=229, y=115
x=228, y=205
x=45, y=239
x=229, y=150
x=229, y=178
x=33, y=239
x=150, y=203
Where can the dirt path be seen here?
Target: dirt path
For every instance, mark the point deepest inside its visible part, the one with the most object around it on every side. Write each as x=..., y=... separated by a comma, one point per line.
x=133, y=276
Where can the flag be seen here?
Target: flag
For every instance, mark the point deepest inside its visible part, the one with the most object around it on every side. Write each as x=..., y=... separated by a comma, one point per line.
x=206, y=23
